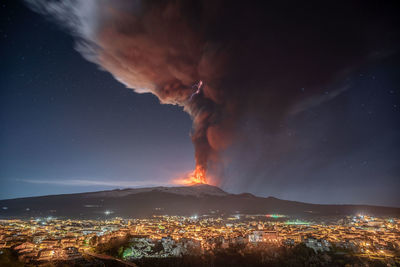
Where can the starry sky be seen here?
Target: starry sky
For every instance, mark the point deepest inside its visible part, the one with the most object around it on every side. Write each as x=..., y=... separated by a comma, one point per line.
x=67, y=126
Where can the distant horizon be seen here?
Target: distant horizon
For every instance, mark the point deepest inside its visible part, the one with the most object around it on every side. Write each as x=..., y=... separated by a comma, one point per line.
x=172, y=185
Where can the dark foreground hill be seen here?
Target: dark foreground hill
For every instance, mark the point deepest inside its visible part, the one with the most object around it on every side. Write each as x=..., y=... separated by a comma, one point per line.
x=188, y=200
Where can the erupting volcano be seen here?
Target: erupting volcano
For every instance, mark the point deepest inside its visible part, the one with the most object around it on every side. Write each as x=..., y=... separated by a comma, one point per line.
x=243, y=83
x=198, y=176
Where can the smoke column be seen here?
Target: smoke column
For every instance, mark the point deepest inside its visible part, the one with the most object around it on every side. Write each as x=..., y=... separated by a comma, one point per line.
x=224, y=60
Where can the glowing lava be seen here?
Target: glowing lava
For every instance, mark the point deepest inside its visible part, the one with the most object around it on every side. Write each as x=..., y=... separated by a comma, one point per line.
x=198, y=176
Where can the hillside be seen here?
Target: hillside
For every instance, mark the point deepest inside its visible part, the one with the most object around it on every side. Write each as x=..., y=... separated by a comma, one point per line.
x=187, y=200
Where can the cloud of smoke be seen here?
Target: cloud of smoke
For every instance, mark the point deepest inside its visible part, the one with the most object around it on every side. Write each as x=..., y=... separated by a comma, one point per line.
x=266, y=61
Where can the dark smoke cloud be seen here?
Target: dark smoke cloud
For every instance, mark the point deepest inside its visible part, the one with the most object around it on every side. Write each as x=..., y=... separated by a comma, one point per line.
x=253, y=58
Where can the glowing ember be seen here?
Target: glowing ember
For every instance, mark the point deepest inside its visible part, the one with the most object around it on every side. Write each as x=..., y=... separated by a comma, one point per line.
x=198, y=176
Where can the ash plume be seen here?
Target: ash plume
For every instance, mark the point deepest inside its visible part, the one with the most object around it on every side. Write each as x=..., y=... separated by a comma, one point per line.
x=225, y=60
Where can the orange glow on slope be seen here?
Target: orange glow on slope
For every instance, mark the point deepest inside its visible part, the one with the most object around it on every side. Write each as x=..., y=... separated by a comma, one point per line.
x=198, y=176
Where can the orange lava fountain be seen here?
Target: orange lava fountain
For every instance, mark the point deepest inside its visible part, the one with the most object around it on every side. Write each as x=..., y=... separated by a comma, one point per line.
x=198, y=176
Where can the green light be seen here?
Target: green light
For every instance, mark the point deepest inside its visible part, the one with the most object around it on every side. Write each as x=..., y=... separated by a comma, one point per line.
x=127, y=253
x=275, y=216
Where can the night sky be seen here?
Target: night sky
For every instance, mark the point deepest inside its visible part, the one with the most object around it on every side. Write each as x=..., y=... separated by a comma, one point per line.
x=67, y=126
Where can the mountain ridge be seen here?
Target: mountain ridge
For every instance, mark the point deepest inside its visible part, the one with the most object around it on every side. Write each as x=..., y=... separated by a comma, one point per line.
x=132, y=190
x=179, y=200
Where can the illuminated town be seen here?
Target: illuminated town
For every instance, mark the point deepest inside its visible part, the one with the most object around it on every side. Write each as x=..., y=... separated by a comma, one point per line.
x=49, y=239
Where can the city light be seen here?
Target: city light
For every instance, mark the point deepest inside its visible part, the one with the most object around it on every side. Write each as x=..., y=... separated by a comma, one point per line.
x=47, y=240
